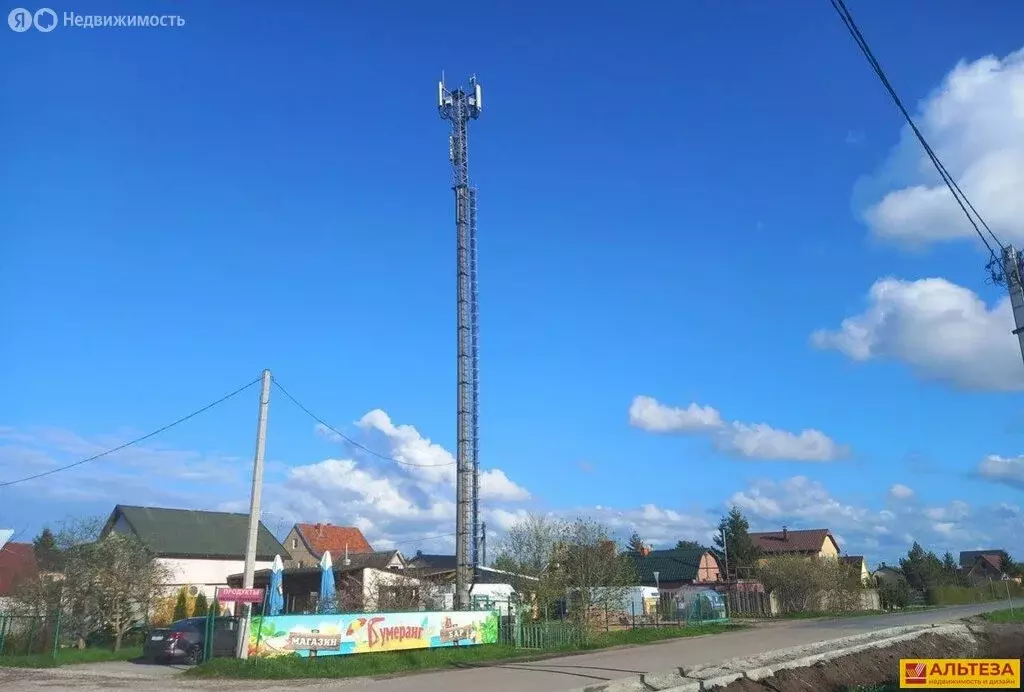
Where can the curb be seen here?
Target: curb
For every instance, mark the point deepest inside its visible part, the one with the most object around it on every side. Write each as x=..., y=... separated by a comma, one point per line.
x=709, y=676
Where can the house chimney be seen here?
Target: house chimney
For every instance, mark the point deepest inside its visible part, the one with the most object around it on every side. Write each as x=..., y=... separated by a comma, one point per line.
x=645, y=550
x=785, y=533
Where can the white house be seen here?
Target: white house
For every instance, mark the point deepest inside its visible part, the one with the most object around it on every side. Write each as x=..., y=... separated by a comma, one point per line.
x=200, y=549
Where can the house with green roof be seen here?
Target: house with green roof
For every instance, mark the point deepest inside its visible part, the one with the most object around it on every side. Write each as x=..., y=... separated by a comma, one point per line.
x=675, y=568
x=200, y=549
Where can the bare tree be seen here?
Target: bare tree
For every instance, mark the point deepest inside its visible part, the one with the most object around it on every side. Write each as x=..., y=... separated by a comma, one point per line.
x=528, y=548
x=597, y=577
x=106, y=583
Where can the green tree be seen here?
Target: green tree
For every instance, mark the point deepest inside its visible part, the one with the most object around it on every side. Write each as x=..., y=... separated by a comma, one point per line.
x=181, y=606
x=201, y=607
x=636, y=544
x=1007, y=564
x=48, y=553
x=894, y=592
x=215, y=606
x=733, y=539
x=689, y=545
x=923, y=569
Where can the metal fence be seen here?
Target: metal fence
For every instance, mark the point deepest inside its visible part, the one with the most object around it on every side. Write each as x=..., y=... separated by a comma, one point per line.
x=22, y=635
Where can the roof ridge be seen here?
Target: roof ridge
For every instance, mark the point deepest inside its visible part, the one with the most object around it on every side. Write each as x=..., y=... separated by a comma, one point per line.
x=178, y=509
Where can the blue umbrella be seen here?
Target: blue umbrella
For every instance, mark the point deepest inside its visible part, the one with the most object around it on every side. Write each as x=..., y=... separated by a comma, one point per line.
x=275, y=599
x=327, y=603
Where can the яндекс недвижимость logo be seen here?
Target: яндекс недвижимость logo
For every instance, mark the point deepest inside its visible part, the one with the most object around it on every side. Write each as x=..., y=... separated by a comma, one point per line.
x=21, y=20
x=45, y=20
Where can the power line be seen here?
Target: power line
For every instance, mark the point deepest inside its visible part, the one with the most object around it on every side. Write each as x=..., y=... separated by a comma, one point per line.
x=133, y=442
x=348, y=439
x=951, y=184
x=424, y=539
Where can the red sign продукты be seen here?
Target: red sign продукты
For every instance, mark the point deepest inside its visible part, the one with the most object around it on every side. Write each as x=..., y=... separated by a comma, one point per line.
x=240, y=595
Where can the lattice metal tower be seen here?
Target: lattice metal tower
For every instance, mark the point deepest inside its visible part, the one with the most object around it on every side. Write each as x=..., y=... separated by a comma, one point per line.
x=458, y=107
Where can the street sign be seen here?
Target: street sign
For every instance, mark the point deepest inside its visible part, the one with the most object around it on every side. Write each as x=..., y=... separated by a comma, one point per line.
x=239, y=595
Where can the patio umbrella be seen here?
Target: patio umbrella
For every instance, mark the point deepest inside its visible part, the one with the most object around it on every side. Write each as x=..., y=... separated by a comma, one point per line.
x=328, y=599
x=275, y=600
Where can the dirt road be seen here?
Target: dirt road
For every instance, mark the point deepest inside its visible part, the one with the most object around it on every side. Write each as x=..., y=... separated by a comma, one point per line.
x=552, y=675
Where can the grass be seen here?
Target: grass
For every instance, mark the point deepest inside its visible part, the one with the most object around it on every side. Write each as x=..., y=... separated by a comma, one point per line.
x=69, y=656
x=1008, y=615
x=391, y=662
x=888, y=687
x=841, y=614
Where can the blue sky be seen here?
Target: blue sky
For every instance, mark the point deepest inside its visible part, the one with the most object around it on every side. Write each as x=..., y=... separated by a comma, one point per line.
x=674, y=198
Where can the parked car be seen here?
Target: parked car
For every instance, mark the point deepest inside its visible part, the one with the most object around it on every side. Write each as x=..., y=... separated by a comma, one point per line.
x=185, y=640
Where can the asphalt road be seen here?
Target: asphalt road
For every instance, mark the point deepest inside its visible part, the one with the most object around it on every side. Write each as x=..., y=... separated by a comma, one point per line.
x=552, y=675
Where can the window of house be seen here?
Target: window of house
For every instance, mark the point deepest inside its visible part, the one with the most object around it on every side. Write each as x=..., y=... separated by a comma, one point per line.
x=295, y=543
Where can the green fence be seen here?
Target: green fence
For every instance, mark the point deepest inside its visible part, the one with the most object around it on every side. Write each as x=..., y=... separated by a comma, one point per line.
x=547, y=634
x=22, y=635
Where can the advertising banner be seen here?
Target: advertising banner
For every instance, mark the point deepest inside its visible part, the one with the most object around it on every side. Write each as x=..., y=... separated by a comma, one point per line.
x=360, y=633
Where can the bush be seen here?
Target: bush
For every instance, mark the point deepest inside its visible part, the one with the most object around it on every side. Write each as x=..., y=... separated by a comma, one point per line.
x=963, y=595
x=201, y=607
x=894, y=593
x=181, y=609
x=804, y=585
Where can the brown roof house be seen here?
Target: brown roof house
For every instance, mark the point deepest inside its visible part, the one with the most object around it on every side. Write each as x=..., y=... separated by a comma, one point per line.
x=307, y=543
x=982, y=565
x=803, y=542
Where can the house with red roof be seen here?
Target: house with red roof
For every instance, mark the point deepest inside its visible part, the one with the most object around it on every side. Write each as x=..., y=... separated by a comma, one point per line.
x=306, y=544
x=802, y=542
x=17, y=563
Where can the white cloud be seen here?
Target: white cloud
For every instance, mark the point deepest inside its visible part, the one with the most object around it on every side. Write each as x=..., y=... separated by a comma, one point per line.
x=761, y=441
x=943, y=331
x=900, y=492
x=975, y=123
x=1006, y=470
x=648, y=414
x=800, y=502
x=750, y=441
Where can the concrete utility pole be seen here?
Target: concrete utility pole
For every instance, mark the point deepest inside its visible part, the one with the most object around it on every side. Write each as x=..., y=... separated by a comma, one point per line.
x=1012, y=276
x=254, y=507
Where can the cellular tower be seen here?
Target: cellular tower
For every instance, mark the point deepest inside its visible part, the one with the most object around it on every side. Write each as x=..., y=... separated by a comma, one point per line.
x=458, y=107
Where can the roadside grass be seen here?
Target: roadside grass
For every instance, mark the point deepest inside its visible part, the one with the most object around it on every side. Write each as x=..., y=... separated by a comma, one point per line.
x=888, y=687
x=853, y=613
x=69, y=656
x=841, y=614
x=1007, y=615
x=392, y=662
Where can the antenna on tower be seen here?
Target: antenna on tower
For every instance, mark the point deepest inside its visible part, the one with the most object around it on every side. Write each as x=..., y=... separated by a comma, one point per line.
x=459, y=107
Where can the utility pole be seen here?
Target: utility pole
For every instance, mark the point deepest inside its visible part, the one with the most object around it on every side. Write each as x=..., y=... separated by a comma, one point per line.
x=458, y=107
x=1012, y=276
x=254, y=507
x=725, y=553
x=483, y=544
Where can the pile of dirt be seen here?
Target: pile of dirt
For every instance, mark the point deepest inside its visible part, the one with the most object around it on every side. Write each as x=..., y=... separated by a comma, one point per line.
x=881, y=666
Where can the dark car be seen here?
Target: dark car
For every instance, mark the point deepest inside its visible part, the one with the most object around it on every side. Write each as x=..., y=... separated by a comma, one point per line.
x=184, y=640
